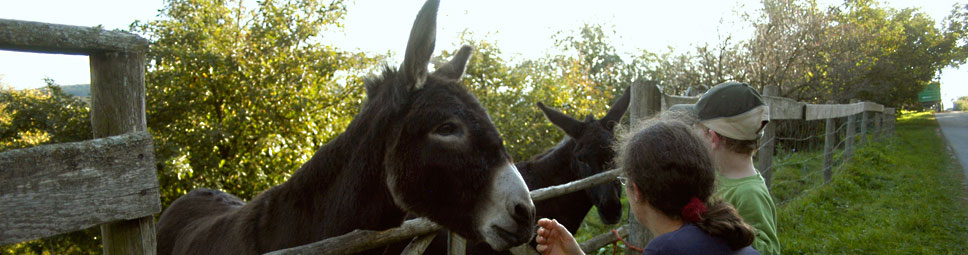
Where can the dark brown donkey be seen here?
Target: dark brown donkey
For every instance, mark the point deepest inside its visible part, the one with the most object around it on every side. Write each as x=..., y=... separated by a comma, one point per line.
x=420, y=144
x=585, y=151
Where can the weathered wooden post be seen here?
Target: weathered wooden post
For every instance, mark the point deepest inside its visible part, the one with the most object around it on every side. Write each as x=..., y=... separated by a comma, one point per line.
x=851, y=134
x=646, y=102
x=118, y=107
x=864, y=123
x=456, y=244
x=828, y=148
x=878, y=121
x=767, y=143
x=891, y=119
x=117, y=62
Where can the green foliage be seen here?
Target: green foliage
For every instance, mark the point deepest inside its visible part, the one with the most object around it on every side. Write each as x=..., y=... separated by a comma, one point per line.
x=592, y=226
x=579, y=82
x=41, y=116
x=962, y=104
x=857, y=50
x=237, y=99
x=45, y=116
x=900, y=196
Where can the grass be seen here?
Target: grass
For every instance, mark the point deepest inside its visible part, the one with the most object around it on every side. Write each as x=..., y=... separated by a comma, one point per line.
x=902, y=195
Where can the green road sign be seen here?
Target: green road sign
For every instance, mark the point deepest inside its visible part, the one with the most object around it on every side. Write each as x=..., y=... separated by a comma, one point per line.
x=931, y=93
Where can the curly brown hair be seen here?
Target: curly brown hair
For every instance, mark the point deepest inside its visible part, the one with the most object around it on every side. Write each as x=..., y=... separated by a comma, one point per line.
x=670, y=165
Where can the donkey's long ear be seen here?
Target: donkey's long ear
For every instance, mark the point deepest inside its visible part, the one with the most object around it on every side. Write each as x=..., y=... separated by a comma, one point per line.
x=420, y=46
x=455, y=68
x=618, y=109
x=570, y=125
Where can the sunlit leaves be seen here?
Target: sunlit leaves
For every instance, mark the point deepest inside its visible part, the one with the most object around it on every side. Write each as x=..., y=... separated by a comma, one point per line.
x=239, y=98
x=41, y=116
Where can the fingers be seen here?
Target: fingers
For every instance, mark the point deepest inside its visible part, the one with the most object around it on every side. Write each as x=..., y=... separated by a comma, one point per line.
x=546, y=223
x=542, y=248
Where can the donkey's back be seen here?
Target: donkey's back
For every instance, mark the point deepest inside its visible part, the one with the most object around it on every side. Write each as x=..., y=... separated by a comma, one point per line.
x=198, y=219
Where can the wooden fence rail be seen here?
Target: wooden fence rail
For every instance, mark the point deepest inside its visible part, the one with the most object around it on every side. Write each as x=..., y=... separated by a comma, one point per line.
x=117, y=108
x=362, y=240
x=51, y=189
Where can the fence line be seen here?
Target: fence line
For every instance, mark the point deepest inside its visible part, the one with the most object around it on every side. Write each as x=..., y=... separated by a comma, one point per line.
x=783, y=109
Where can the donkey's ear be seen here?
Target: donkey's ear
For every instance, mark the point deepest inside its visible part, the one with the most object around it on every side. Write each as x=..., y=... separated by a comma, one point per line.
x=570, y=125
x=420, y=46
x=457, y=65
x=618, y=109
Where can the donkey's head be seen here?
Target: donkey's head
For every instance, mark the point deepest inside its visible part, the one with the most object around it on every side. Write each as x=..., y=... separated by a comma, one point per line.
x=444, y=159
x=593, y=153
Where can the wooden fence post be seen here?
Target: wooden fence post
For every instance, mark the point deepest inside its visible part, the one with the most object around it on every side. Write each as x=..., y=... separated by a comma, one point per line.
x=851, y=134
x=878, y=119
x=118, y=107
x=456, y=245
x=828, y=148
x=767, y=143
x=891, y=121
x=864, y=123
x=646, y=101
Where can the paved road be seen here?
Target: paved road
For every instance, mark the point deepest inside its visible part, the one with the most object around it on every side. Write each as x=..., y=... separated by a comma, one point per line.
x=955, y=128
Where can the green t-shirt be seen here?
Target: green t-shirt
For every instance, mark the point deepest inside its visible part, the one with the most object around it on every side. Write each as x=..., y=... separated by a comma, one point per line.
x=753, y=201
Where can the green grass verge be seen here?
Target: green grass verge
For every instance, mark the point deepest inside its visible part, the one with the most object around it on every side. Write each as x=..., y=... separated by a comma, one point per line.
x=902, y=195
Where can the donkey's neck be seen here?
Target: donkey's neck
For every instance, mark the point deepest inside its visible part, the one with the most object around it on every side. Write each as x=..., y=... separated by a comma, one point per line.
x=553, y=167
x=341, y=188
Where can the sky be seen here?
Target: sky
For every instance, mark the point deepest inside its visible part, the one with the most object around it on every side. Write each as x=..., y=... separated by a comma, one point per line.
x=522, y=29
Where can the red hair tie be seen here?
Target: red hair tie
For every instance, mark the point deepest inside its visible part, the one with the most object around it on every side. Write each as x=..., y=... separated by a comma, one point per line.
x=693, y=211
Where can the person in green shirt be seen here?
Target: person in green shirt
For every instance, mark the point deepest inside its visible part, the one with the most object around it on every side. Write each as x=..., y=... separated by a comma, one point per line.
x=731, y=116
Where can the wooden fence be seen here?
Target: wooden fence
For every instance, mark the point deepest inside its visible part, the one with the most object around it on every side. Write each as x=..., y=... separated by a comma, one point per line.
x=647, y=100
x=109, y=181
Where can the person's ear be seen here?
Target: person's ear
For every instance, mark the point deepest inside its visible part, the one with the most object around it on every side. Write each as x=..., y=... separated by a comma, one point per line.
x=634, y=194
x=714, y=139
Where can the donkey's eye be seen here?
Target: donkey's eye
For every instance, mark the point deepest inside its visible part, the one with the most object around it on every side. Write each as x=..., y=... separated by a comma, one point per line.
x=447, y=129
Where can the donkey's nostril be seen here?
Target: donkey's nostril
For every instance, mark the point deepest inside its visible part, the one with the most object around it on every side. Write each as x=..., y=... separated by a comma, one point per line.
x=523, y=214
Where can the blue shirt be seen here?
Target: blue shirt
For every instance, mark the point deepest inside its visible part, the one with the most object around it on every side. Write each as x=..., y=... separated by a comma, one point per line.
x=690, y=239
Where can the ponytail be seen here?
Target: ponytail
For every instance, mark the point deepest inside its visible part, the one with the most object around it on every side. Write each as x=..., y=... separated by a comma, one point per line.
x=723, y=221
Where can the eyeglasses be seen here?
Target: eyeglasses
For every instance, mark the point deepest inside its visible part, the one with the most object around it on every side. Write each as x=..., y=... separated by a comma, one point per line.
x=624, y=180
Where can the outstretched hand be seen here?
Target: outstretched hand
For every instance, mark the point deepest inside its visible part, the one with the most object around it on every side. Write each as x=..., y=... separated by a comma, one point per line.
x=554, y=239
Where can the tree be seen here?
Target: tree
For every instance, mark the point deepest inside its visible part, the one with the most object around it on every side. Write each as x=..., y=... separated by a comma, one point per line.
x=237, y=99
x=693, y=72
x=961, y=104
x=41, y=116
x=786, y=34
x=956, y=31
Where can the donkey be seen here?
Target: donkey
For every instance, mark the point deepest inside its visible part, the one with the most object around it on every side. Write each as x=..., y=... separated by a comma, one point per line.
x=421, y=143
x=585, y=151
